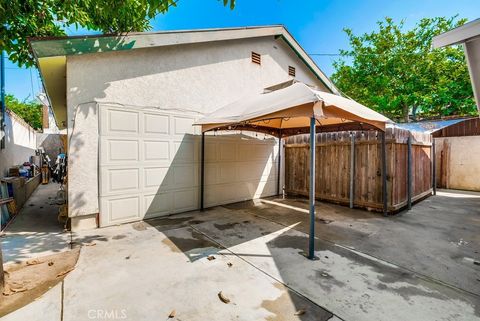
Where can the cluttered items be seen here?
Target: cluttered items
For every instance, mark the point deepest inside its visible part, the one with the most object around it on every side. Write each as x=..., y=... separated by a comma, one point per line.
x=22, y=180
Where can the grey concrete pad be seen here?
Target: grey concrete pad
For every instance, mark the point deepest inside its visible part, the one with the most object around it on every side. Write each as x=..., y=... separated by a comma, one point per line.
x=438, y=238
x=352, y=285
x=35, y=231
x=370, y=267
x=139, y=273
x=47, y=307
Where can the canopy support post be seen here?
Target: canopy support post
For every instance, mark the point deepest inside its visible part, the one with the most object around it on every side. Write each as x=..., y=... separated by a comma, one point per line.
x=409, y=171
x=279, y=162
x=202, y=173
x=311, y=240
x=434, y=168
x=384, y=174
x=352, y=169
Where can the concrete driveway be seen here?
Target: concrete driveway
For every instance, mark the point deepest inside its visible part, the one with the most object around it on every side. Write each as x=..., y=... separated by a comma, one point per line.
x=370, y=267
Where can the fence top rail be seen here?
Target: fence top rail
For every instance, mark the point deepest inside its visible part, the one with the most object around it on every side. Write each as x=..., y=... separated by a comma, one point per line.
x=392, y=135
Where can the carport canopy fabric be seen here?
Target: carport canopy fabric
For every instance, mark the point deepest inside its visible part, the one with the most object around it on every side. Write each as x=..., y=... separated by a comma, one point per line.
x=288, y=109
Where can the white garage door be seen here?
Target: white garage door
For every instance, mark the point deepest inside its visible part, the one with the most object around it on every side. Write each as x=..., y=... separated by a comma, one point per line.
x=149, y=165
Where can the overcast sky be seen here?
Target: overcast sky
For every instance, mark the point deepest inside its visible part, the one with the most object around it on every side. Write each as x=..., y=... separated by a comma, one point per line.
x=317, y=25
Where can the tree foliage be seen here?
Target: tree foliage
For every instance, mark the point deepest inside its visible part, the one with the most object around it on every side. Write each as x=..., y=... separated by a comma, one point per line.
x=396, y=72
x=20, y=19
x=30, y=111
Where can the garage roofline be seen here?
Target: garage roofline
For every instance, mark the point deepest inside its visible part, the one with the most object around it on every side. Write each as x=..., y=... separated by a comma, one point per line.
x=50, y=53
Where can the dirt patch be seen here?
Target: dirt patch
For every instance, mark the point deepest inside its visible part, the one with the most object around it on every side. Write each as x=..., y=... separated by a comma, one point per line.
x=119, y=237
x=139, y=226
x=26, y=281
x=290, y=306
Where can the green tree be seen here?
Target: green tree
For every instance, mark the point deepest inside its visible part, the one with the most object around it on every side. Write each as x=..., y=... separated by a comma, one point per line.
x=30, y=111
x=396, y=72
x=20, y=19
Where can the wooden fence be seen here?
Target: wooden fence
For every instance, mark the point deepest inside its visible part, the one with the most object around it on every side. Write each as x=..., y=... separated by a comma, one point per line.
x=334, y=167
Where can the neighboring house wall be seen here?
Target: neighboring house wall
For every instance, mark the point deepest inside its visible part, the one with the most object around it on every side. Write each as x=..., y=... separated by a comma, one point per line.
x=20, y=143
x=457, y=162
x=192, y=79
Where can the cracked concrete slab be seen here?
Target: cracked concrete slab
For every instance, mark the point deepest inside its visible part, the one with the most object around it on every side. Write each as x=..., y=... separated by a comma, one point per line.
x=351, y=284
x=146, y=274
x=370, y=267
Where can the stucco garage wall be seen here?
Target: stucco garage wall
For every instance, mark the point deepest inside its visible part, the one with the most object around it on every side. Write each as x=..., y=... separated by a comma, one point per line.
x=20, y=143
x=458, y=165
x=197, y=78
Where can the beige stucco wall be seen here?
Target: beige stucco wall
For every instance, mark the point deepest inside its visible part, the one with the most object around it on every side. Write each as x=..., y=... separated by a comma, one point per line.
x=20, y=143
x=197, y=77
x=461, y=168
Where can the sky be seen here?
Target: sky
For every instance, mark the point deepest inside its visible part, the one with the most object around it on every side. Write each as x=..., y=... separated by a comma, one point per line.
x=316, y=24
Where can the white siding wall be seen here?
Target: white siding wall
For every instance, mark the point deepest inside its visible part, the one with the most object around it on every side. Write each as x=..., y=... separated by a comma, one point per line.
x=199, y=78
x=21, y=143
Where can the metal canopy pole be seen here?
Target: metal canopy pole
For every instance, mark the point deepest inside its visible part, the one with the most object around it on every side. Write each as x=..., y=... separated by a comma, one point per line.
x=202, y=173
x=311, y=240
x=384, y=174
x=352, y=169
x=279, y=162
x=434, y=168
x=409, y=171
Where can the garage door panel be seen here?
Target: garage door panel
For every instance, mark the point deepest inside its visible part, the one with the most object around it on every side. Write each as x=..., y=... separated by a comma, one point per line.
x=121, y=150
x=158, y=204
x=156, y=150
x=158, y=177
x=184, y=151
x=211, y=174
x=185, y=200
x=116, y=181
x=120, y=210
x=227, y=172
x=121, y=122
x=184, y=176
x=210, y=152
x=227, y=151
x=183, y=125
x=155, y=124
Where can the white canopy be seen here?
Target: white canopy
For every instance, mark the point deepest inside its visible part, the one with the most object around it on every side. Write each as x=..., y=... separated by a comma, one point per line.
x=291, y=108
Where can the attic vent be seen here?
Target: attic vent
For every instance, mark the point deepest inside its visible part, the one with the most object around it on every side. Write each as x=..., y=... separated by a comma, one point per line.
x=291, y=71
x=256, y=58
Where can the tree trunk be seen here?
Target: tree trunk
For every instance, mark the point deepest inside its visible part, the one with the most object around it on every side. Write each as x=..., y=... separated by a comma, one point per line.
x=405, y=111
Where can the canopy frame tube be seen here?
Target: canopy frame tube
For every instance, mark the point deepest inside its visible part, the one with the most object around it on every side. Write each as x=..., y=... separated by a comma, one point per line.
x=313, y=129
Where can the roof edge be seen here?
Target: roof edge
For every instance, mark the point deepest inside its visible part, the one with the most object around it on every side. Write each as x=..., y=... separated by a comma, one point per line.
x=75, y=45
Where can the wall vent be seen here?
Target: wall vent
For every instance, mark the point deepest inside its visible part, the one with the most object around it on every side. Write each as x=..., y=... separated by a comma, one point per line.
x=256, y=58
x=291, y=71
